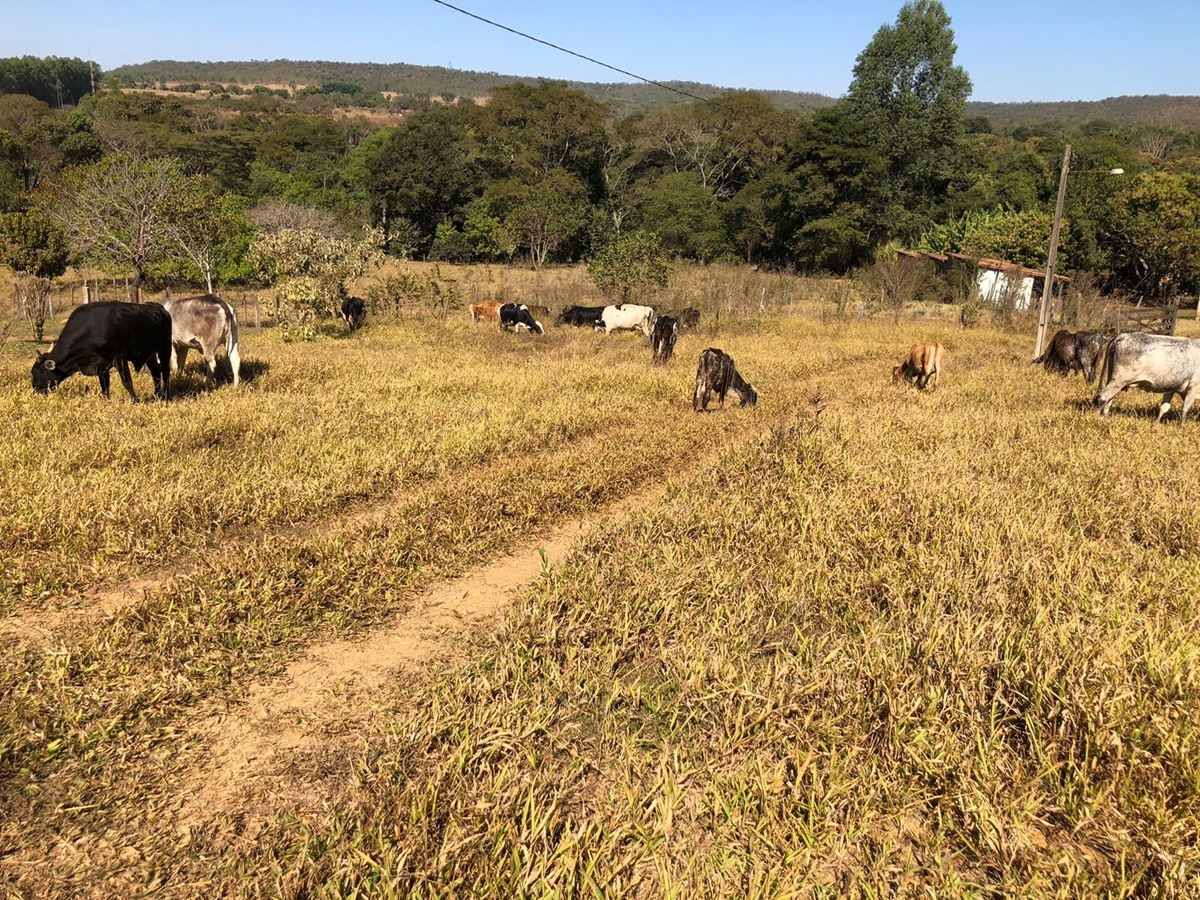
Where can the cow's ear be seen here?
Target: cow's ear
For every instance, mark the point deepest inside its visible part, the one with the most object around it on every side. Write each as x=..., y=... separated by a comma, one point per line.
x=48, y=365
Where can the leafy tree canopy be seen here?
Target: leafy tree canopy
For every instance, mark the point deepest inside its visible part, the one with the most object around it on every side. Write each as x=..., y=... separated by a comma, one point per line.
x=911, y=98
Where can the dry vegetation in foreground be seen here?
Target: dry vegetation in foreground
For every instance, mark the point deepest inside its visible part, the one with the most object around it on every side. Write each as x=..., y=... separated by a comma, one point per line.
x=935, y=644
x=918, y=643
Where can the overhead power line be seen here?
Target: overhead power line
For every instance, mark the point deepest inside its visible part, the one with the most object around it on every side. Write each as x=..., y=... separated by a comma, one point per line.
x=590, y=59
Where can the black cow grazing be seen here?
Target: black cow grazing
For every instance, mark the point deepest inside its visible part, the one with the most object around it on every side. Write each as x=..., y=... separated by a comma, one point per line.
x=354, y=310
x=99, y=336
x=1078, y=352
x=717, y=374
x=582, y=316
x=689, y=318
x=515, y=316
x=666, y=329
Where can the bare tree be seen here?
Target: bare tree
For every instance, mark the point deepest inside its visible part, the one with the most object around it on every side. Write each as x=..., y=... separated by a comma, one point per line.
x=278, y=215
x=118, y=211
x=33, y=302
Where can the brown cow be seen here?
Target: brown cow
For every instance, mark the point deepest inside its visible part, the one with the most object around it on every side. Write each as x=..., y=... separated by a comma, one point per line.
x=1078, y=352
x=539, y=312
x=488, y=311
x=924, y=362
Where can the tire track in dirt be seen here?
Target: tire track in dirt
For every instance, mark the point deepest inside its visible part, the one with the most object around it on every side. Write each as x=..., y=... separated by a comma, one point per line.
x=287, y=715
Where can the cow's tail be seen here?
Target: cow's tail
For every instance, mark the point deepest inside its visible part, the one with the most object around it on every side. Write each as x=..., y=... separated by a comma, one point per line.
x=231, y=341
x=1104, y=376
x=231, y=333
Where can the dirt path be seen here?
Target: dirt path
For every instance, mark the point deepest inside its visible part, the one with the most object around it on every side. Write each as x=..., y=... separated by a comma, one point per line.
x=252, y=744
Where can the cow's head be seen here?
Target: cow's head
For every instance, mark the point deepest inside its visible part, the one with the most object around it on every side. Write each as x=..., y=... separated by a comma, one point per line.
x=900, y=372
x=749, y=396
x=45, y=374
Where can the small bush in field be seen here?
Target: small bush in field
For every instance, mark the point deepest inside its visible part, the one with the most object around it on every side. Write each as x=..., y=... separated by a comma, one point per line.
x=632, y=267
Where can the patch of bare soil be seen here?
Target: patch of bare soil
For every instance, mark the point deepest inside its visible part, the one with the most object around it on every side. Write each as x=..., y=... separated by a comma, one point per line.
x=251, y=745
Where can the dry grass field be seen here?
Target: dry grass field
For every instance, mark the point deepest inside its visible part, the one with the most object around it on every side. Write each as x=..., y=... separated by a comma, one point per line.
x=436, y=611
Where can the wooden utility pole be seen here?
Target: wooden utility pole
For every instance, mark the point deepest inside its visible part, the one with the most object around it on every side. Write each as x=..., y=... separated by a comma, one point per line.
x=1048, y=284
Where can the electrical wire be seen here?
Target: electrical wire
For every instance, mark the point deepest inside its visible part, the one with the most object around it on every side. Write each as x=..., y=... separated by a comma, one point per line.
x=590, y=59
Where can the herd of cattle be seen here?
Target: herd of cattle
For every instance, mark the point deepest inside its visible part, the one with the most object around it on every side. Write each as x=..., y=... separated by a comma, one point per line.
x=1159, y=364
x=99, y=337
x=716, y=373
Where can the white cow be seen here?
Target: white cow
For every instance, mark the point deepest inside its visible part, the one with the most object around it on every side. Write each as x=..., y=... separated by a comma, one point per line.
x=1152, y=362
x=203, y=323
x=627, y=317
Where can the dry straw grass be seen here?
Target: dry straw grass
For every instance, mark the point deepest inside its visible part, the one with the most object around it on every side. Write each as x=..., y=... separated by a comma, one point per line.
x=937, y=643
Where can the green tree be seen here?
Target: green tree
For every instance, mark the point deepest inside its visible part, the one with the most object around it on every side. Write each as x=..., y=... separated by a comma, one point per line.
x=35, y=247
x=486, y=235
x=1152, y=234
x=824, y=208
x=911, y=99
x=631, y=267
x=426, y=172
x=33, y=243
x=210, y=232
x=55, y=80
x=309, y=270
x=685, y=215
x=726, y=142
x=531, y=131
x=543, y=216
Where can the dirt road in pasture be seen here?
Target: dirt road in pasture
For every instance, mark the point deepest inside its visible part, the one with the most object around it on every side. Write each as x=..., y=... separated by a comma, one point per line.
x=281, y=744
x=251, y=745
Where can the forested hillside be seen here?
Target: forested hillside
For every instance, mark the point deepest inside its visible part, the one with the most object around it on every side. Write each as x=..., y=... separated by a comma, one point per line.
x=413, y=81
x=439, y=82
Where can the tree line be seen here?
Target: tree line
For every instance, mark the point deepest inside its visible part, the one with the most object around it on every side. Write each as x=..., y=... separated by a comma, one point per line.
x=55, y=80
x=545, y=173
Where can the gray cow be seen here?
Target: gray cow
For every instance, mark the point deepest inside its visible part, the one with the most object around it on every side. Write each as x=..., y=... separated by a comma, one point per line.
x=1152, y=362
x=203, y=323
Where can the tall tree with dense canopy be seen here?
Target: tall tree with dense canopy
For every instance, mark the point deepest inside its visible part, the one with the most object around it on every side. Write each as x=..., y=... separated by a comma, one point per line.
x=426, y=172
x=911, y=98
x=824, y=208
x=531, y=131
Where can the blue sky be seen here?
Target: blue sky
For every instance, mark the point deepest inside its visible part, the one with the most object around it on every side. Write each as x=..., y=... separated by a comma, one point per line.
x=1096, y=49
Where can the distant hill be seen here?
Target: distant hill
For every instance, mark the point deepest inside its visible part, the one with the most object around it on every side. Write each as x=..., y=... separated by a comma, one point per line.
x=415, y=81
x=1159, y=109
x=438, y=81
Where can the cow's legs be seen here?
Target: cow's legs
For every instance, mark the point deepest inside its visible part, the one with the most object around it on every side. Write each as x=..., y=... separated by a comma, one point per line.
x=126, y=378
x=1188, y=399
x=210, y=360
x=1165, y=406
x=102, y=376
x=235, y=363
x=178, y=358
x=160, y=371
